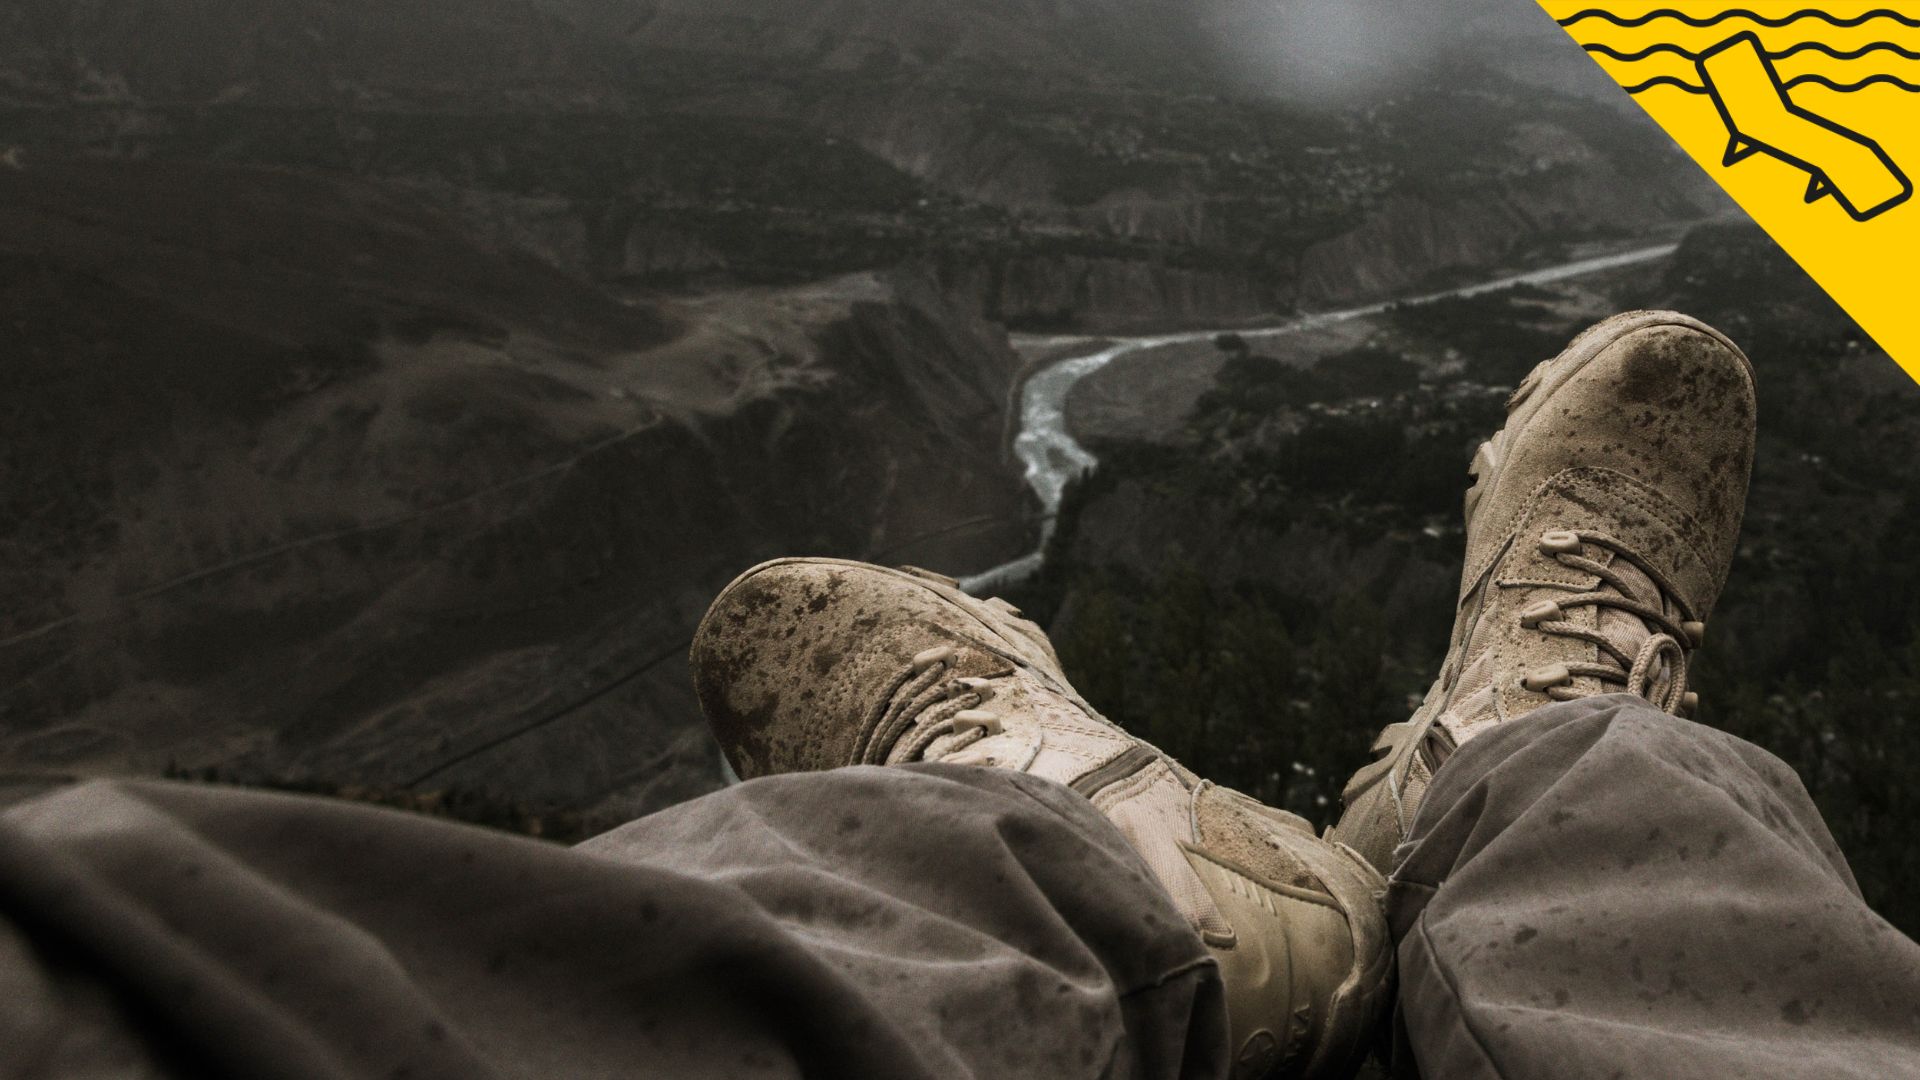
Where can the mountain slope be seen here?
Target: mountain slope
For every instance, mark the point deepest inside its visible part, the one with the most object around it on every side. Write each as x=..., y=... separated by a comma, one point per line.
x=291, y=52
x=1094, y=163
x=303, y=483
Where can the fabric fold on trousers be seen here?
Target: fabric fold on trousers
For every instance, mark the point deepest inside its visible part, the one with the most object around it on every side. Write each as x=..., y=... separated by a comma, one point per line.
x=1602, y=890
x=934, y=921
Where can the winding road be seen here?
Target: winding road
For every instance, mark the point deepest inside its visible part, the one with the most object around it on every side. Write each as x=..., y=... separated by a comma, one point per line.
x=1054, y=457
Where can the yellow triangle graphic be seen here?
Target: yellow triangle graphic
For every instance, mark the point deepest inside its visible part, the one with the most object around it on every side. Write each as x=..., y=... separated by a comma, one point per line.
x=1807, y=113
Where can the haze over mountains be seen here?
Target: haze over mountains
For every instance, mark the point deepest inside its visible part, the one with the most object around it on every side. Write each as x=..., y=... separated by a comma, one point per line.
x=1095, y=162
x=287, y=52
x=390, y=384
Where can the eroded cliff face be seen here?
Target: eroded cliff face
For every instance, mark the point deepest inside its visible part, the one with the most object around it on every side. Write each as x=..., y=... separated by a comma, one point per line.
x=392, y=389
x=346, y=54
x=1068, y=163
x=346, y=495
x=1065, y=40
x=1115, y=295
x=1414, y=243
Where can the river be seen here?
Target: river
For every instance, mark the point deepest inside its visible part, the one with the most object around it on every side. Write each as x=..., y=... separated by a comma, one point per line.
x=1053, y=457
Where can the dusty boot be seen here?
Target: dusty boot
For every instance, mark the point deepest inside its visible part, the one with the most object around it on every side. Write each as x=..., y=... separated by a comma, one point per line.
x=813, y=664
x=1599, y=533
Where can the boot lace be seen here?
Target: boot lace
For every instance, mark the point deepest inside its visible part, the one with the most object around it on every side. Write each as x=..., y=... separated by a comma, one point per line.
x=1665, y=651
x=927, y=703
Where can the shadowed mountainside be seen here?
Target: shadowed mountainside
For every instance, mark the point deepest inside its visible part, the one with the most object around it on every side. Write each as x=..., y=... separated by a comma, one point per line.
x=1091, y=163
x=396, y=382
x=305, y=483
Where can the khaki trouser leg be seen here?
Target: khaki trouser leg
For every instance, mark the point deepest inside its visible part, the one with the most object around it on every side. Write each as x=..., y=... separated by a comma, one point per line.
x=933, y=921
x=1601, y=890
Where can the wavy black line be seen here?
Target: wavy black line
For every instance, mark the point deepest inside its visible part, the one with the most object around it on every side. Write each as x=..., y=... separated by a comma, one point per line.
x=1803, y=80
x=1822, y=80
x=1815, y=46
x=1616, y=54
x=1666, y=80
x=1739, y=13
x=1805, y=46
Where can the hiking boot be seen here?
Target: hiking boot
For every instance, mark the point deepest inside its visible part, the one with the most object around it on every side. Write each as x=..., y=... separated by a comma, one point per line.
x=1599, y=532
x=806, y=664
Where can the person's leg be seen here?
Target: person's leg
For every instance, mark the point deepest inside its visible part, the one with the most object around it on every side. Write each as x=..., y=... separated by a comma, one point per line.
x=935, y=921
x=809, y=664
x=1585, y=885
x=1600, y=531
x=1602, y=890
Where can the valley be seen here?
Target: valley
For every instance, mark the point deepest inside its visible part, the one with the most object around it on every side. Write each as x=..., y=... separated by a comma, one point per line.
x=389, y=387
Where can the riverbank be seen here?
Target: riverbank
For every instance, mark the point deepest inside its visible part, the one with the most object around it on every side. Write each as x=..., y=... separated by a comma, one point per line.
x=1053, y=456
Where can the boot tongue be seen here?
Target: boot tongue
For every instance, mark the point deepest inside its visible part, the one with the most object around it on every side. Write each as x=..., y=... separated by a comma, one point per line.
x=1627, y=631
x=1473, y=694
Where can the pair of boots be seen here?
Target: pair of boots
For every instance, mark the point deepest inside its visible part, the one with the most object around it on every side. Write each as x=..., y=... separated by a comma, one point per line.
x=1599, y=533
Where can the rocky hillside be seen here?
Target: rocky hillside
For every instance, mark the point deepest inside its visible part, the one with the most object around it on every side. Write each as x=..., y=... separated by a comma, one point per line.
x=1096, y=163
x=393, y=383
x=306, y=485
x=1058, y=42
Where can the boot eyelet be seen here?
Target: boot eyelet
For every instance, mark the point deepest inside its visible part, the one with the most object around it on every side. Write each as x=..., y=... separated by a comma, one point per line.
x=987, y=722
x=939, y=654
x=969, y=685
x=1544, y=611
x=1696, y=632
x=1543, y=679
x=1560, y=542
x=1689, y=704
